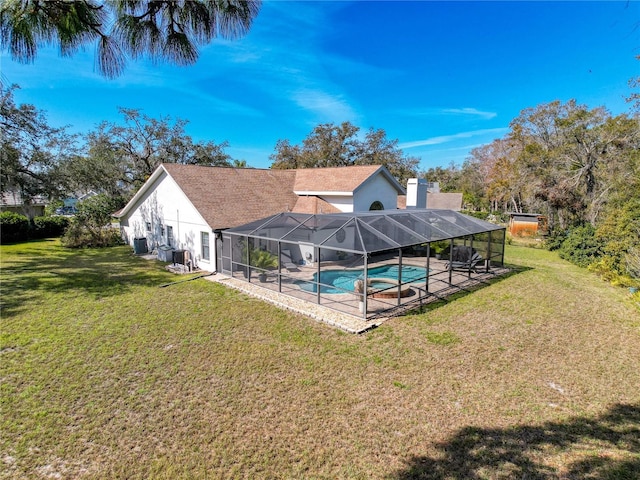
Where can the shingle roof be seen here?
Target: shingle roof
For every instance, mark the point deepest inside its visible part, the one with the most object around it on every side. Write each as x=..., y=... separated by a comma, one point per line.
x=332, y=179
x=312, y=204
x=227, y=197
x=445, y=201
x=437, y=201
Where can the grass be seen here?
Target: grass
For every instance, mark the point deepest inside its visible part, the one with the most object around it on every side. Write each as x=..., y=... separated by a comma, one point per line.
x=105, y=375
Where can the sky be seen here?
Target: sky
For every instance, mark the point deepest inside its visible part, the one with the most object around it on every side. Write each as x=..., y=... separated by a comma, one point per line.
x=441, y=78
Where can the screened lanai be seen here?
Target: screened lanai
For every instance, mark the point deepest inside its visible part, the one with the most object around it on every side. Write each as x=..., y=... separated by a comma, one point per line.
x=368, y=264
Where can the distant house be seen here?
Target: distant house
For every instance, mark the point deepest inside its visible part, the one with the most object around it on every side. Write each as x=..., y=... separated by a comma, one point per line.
x=423, y=194
x=12, y=201
x=70, y=204
x=186, y=207
x=445, y=201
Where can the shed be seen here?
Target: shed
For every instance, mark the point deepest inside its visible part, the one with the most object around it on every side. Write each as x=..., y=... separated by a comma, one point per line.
x=527, y=224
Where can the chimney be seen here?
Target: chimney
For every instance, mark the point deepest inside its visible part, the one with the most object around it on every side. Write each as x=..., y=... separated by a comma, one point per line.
x=416, y=193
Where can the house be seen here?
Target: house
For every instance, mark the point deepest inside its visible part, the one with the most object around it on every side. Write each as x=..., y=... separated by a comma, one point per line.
x=12, y=201
x=186, y=207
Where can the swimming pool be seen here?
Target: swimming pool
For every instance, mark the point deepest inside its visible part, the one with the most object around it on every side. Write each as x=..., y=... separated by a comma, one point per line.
x=342, y=281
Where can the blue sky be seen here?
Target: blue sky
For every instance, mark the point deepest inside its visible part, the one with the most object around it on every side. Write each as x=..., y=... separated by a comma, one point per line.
x=441, y=77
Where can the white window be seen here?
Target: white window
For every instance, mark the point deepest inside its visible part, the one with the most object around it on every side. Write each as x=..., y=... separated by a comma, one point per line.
x=204, y=240
x=148, y=226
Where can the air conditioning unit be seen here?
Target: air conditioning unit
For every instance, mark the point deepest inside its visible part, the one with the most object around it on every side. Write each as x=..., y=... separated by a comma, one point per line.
x=165, y=253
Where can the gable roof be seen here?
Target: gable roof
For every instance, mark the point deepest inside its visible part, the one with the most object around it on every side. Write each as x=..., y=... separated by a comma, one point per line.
x=318, y=181
x=244, y=193
x=227, y=197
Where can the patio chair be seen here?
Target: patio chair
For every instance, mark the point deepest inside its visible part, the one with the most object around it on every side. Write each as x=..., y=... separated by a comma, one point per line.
x=287, y=263
x=464, y=258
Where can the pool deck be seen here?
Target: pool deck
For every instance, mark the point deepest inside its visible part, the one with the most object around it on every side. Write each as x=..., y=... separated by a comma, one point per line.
x=344, y=312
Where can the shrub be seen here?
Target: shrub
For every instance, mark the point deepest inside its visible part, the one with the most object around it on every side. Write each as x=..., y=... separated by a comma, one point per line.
x=619, y=234
x=555, y=238
x=49, y=226
x=472, y=213
x=91, y=225
x=13, y=227
x=581, y=246
x=77, y=236
x=508, y=239
x=632, y=261
x=605, y=268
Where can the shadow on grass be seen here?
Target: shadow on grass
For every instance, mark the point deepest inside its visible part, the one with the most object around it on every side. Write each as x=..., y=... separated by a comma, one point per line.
x=35, y=268
x=605, y=447
x=447, y=295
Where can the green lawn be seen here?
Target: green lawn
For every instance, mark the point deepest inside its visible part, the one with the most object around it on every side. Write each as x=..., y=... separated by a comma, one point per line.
x=106, y=375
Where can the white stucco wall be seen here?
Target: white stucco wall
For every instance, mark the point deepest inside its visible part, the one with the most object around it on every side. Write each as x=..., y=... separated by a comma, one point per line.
x=165, y=205
x=376, y=188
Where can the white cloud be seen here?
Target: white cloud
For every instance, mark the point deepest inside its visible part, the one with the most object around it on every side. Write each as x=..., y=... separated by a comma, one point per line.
x=470, y=111
x=450, y=138
x=435, y=112
x=330, y=108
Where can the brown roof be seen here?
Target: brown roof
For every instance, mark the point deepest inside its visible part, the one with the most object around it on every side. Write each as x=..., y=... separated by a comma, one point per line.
x=312, y=205
x=332, y=179
x=445, y=201
x=438, y=201
x=228, y=197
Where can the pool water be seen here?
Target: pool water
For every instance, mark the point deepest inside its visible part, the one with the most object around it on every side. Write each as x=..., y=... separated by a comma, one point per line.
x=342, y=281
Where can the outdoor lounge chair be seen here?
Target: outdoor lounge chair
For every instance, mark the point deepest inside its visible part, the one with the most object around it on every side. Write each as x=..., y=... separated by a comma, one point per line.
x=464, y=258
x=287, y=263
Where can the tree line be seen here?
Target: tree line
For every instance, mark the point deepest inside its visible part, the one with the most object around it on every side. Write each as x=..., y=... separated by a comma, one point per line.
x=116, y=159
x=579, y=166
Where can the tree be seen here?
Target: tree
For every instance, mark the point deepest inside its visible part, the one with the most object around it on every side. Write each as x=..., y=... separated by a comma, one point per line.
x=120, y=158
x=448, y=178
x=161, y=30
x=91, y=226
x=634, y=97
x=567, y=154
x=492, y=173
x=330, y=145
x=376, y=149
x=31, y=150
